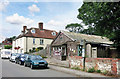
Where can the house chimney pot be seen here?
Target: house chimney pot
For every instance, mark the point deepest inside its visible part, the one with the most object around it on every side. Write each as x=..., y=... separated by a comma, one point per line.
x=40, y=26
x=24, y=28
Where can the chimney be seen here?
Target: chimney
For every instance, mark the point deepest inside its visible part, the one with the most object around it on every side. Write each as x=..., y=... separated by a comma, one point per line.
x=40, y=25
x=24, y=28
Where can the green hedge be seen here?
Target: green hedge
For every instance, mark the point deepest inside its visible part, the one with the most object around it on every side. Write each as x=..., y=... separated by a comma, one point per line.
x=7, y=46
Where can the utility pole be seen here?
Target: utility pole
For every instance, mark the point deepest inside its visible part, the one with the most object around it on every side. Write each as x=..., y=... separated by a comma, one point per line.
x=84, y=53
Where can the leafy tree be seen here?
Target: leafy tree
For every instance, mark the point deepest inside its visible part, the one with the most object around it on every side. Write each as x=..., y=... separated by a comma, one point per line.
x=104, y=17
x=74, y=27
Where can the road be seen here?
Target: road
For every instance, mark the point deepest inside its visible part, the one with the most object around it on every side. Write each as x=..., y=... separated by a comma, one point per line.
x=10, y=69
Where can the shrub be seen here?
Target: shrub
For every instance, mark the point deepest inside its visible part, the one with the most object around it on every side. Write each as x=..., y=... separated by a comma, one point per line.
x=76, y=68
x=105, y=72
x=98, y=71
x=91, y=70
x=40, y=48
x=7, y=46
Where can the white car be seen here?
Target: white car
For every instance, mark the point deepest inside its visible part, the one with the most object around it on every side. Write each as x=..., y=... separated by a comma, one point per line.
x=13, y=56
x=5, y=54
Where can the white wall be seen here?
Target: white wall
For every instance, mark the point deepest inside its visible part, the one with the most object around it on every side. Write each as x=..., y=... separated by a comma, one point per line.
x=21, y=42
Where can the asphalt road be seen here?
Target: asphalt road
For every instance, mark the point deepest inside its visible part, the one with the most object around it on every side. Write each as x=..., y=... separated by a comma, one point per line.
x=10, y=69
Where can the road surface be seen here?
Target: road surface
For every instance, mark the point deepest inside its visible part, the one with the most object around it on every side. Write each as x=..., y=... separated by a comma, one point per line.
x=10, y=69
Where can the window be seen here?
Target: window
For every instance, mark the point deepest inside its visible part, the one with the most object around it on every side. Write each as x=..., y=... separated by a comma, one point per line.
x=53, y=33
x=33, y=30
x=41, y=41
x=33, y=40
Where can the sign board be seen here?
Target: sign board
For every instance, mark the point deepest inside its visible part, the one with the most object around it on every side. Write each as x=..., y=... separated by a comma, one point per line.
x=83, y=52
x=81, y=42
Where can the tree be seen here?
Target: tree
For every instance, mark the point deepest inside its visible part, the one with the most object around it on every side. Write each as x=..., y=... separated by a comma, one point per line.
x=104, y=17
x=74, y=27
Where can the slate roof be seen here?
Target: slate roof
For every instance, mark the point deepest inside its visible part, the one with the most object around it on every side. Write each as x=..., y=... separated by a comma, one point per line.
x=89, y=38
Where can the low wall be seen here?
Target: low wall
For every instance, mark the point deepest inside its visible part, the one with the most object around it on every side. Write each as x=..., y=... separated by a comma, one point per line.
x=111, y=65
x=76, y=62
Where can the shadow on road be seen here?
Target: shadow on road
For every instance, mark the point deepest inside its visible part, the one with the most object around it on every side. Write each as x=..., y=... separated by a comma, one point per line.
x=40, y=68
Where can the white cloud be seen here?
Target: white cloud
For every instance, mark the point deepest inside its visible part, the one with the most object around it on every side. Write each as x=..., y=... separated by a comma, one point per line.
x=3, y=5
x=2, y=38
x=20, y=20
x=54, y=23
x=33, y=8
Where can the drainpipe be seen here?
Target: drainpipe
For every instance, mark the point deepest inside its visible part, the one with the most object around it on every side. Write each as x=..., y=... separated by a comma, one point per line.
x=26, y=44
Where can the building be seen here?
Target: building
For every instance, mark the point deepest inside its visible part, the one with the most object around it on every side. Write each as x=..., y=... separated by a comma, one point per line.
x=33, y=38
x=75, y=44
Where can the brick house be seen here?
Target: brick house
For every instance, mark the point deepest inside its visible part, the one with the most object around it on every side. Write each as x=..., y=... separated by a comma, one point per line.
x=72, y=44
x=33, y=38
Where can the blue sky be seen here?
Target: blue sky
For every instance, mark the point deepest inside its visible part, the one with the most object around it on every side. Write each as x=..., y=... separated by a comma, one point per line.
x=54, y=15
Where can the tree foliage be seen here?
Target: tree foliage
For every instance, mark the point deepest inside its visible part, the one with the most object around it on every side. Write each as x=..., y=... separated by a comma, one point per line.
x=74, y=27
x=104, y=17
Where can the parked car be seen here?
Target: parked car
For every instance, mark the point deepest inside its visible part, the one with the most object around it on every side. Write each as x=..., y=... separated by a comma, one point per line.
x=5, y=54
x=13, y=56
x=20, y=59
x=35, y=61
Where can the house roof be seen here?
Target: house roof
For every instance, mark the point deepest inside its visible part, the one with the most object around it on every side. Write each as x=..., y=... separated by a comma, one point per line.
x=39, y=33
x=89, y=38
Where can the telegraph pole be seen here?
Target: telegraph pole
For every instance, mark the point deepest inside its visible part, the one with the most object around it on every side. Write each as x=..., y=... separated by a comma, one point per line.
x=84, y=53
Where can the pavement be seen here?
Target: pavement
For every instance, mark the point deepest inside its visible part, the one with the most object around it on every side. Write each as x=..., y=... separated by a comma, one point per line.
x=66, y=69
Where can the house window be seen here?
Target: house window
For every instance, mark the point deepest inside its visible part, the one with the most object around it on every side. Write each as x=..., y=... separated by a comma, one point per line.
x=53, y=33
x=41, y=41
x=33, y=40
x=33, y=30
x=80, y=47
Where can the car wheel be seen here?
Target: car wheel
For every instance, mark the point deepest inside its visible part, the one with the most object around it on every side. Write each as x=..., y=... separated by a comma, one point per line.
x=46, y=66
x=20, y=62
x=16, y=62
x=31, y=66
x=25, y=65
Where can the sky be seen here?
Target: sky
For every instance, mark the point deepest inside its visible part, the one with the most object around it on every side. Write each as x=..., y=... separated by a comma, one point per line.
x=54, y=15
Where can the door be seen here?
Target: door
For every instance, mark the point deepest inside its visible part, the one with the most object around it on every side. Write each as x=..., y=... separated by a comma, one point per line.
x=64, y=53
x=94, y=52
x=28, y=61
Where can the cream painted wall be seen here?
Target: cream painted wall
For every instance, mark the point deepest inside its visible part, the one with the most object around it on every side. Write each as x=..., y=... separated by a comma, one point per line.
x=30, y=44
x=21, y=42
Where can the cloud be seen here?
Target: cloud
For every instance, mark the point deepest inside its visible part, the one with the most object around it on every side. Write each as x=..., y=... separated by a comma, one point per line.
x=2, y=38
x=19, y=20
x=54, y=23
x=33, y=8
x=3, y=5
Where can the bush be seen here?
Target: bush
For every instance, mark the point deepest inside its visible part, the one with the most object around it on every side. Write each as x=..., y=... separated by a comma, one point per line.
x=105, y=72
x=91, y=70
x=40, y=48
x=7, y=46
x=76, y=68
x=98, y=71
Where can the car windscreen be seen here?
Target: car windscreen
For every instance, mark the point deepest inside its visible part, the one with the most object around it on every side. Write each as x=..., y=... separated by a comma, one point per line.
x=23, y=56
x=7, y=52
x=13, y=54
x=36, y=58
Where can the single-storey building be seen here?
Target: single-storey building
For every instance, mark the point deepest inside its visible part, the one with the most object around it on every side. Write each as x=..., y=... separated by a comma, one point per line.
x=76, y=44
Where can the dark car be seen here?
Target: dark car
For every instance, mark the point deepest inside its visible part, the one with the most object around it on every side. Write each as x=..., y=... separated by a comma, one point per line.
x=35, y=61
x=20, y=59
